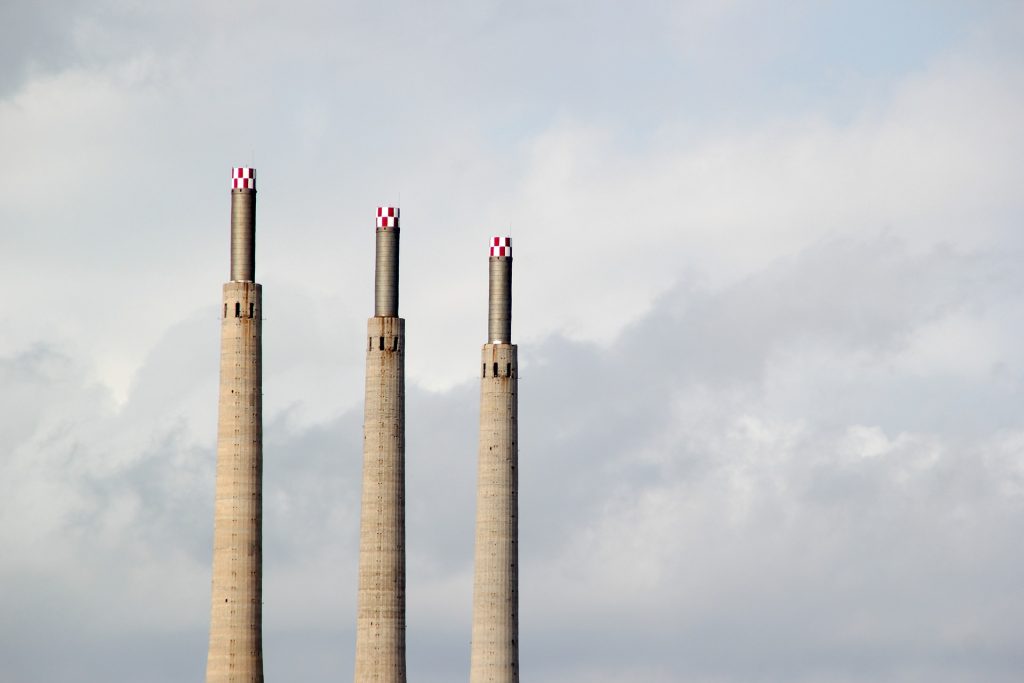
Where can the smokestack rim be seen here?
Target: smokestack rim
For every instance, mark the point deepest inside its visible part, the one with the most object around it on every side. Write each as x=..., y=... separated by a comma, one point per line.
x=500, y=247
x=388, y=217
x=243, y=178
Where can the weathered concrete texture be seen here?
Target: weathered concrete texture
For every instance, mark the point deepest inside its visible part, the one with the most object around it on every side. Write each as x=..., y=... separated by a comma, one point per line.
x=495, y=646
x=380, y=621
x=236, y=650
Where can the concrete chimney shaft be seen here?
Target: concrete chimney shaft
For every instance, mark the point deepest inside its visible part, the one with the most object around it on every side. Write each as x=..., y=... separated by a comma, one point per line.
x=380, y=610
x=236, y=613
x=494, y=654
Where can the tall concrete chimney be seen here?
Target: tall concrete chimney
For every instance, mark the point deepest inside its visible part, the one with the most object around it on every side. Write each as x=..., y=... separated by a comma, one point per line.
x=236, y=640
x=495, y=646
x=380, y=620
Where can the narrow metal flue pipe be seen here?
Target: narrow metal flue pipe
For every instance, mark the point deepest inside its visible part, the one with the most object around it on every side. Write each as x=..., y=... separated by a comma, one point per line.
x=243, y=225
x=386, y=277
x=499, y=313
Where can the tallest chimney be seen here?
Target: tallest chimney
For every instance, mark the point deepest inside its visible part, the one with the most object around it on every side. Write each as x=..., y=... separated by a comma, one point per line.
x=236, y=613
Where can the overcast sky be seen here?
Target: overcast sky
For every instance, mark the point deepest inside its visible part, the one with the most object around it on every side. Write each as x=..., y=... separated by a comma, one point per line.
x=767, y=297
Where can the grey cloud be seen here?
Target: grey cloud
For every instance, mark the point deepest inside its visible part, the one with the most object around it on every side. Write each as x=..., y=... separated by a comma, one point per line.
x=36, y=36
x=816, y=551
x=755, y=481
x=677, y=524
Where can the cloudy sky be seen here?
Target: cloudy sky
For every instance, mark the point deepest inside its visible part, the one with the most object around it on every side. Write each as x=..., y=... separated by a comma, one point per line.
x=768, y=302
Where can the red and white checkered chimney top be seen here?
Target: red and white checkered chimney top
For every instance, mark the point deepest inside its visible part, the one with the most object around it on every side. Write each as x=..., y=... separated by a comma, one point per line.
x=243, y=178
x=387, y=217
x=501, y=246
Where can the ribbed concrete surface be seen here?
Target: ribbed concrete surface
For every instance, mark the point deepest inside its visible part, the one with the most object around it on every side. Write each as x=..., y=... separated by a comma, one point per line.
x=385, y=290
x=495, y=645
x=236, y=651
x=380, y=620
x=499, y=298
x=243, y=235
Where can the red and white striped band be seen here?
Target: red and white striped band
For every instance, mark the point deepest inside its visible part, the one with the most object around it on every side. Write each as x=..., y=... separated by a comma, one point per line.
x=243, y=178
x=387, y=217
x=501, y=246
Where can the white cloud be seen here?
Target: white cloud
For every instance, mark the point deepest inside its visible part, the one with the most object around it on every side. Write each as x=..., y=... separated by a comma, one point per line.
x=770, y=351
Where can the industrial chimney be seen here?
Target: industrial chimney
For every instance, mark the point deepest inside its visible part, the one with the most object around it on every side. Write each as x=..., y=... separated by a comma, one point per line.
x=380, y=620
x=236, y=647
x=495, y=644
